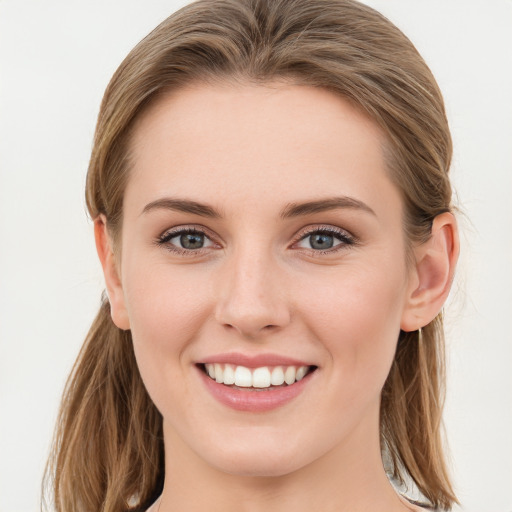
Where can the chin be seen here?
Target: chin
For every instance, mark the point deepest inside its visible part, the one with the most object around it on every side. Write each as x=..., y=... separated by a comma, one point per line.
x=257, y=467
x=255, y=460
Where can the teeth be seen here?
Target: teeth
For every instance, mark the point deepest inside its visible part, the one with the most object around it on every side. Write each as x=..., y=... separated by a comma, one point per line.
x=263, y=377
x=219, y=373
x=301, y=372
x=277, y=376
x=289, y=375
x=229, y=374
x=243, y=377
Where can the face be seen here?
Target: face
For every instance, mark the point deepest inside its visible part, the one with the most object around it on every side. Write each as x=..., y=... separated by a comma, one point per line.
x=262, y=240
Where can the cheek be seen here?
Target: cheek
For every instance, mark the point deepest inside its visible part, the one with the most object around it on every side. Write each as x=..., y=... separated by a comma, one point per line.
x=357, y=317
x=164, y=305
x=166, y=310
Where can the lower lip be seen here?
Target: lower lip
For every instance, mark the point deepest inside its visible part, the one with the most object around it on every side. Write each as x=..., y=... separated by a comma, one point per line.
x=251, y=400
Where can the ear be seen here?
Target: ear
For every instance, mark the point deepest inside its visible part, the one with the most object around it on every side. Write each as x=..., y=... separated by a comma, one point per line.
x=432, y=276
x=110, y=271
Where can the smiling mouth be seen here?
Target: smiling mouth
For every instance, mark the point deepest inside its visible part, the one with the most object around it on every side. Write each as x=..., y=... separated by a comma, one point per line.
x=264, y=378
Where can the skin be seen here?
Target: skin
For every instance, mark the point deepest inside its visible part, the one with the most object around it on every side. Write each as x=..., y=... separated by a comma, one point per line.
x=249, y=152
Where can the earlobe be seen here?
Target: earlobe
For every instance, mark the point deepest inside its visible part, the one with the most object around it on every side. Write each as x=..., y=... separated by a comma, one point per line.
x=111, y=274
x=434, y=270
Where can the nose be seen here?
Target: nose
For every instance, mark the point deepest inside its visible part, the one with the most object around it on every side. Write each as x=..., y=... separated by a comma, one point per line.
x=252, y=295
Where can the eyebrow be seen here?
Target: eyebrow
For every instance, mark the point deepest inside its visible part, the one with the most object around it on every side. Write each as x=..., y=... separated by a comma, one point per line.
x=323, y=205
x=289, y=211
x=182, y=205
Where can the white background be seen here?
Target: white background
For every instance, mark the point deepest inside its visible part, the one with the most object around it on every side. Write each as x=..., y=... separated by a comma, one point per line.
x=56, y=57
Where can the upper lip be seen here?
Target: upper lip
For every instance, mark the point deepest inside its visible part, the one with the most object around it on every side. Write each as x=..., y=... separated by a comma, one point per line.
x=254, y=361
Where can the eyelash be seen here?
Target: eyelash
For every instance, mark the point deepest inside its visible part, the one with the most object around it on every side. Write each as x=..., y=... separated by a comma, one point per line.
x=345, y=239
x=164, y=239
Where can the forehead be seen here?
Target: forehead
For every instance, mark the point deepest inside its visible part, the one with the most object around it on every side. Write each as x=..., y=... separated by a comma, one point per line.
x=257, y=144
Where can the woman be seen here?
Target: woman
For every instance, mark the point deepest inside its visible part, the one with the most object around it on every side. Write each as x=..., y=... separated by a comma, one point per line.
x=269, y=187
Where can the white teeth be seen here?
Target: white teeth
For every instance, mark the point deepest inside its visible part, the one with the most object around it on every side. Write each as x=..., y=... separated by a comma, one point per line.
x=229, y=374
x=243, y=377
x=277, y=378
x=262, y=377
x=301, y=372
x=219, y=373
x=289, y=375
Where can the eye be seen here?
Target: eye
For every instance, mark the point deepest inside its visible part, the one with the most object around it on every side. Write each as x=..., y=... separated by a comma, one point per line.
x=185, y=240
x=321, y=241
x=189, y=240
x=325, y=239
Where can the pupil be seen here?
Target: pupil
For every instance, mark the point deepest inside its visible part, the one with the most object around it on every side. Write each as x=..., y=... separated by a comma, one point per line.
x=192, y=240
x=321, y=241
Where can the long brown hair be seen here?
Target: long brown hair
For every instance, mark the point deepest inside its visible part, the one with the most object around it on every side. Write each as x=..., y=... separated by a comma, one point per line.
x=108, y=449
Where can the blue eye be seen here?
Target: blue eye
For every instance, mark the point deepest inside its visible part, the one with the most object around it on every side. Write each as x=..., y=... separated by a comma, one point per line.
x=185, y=240
x=321, y=241
x=191, y=240
x=325, y=240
